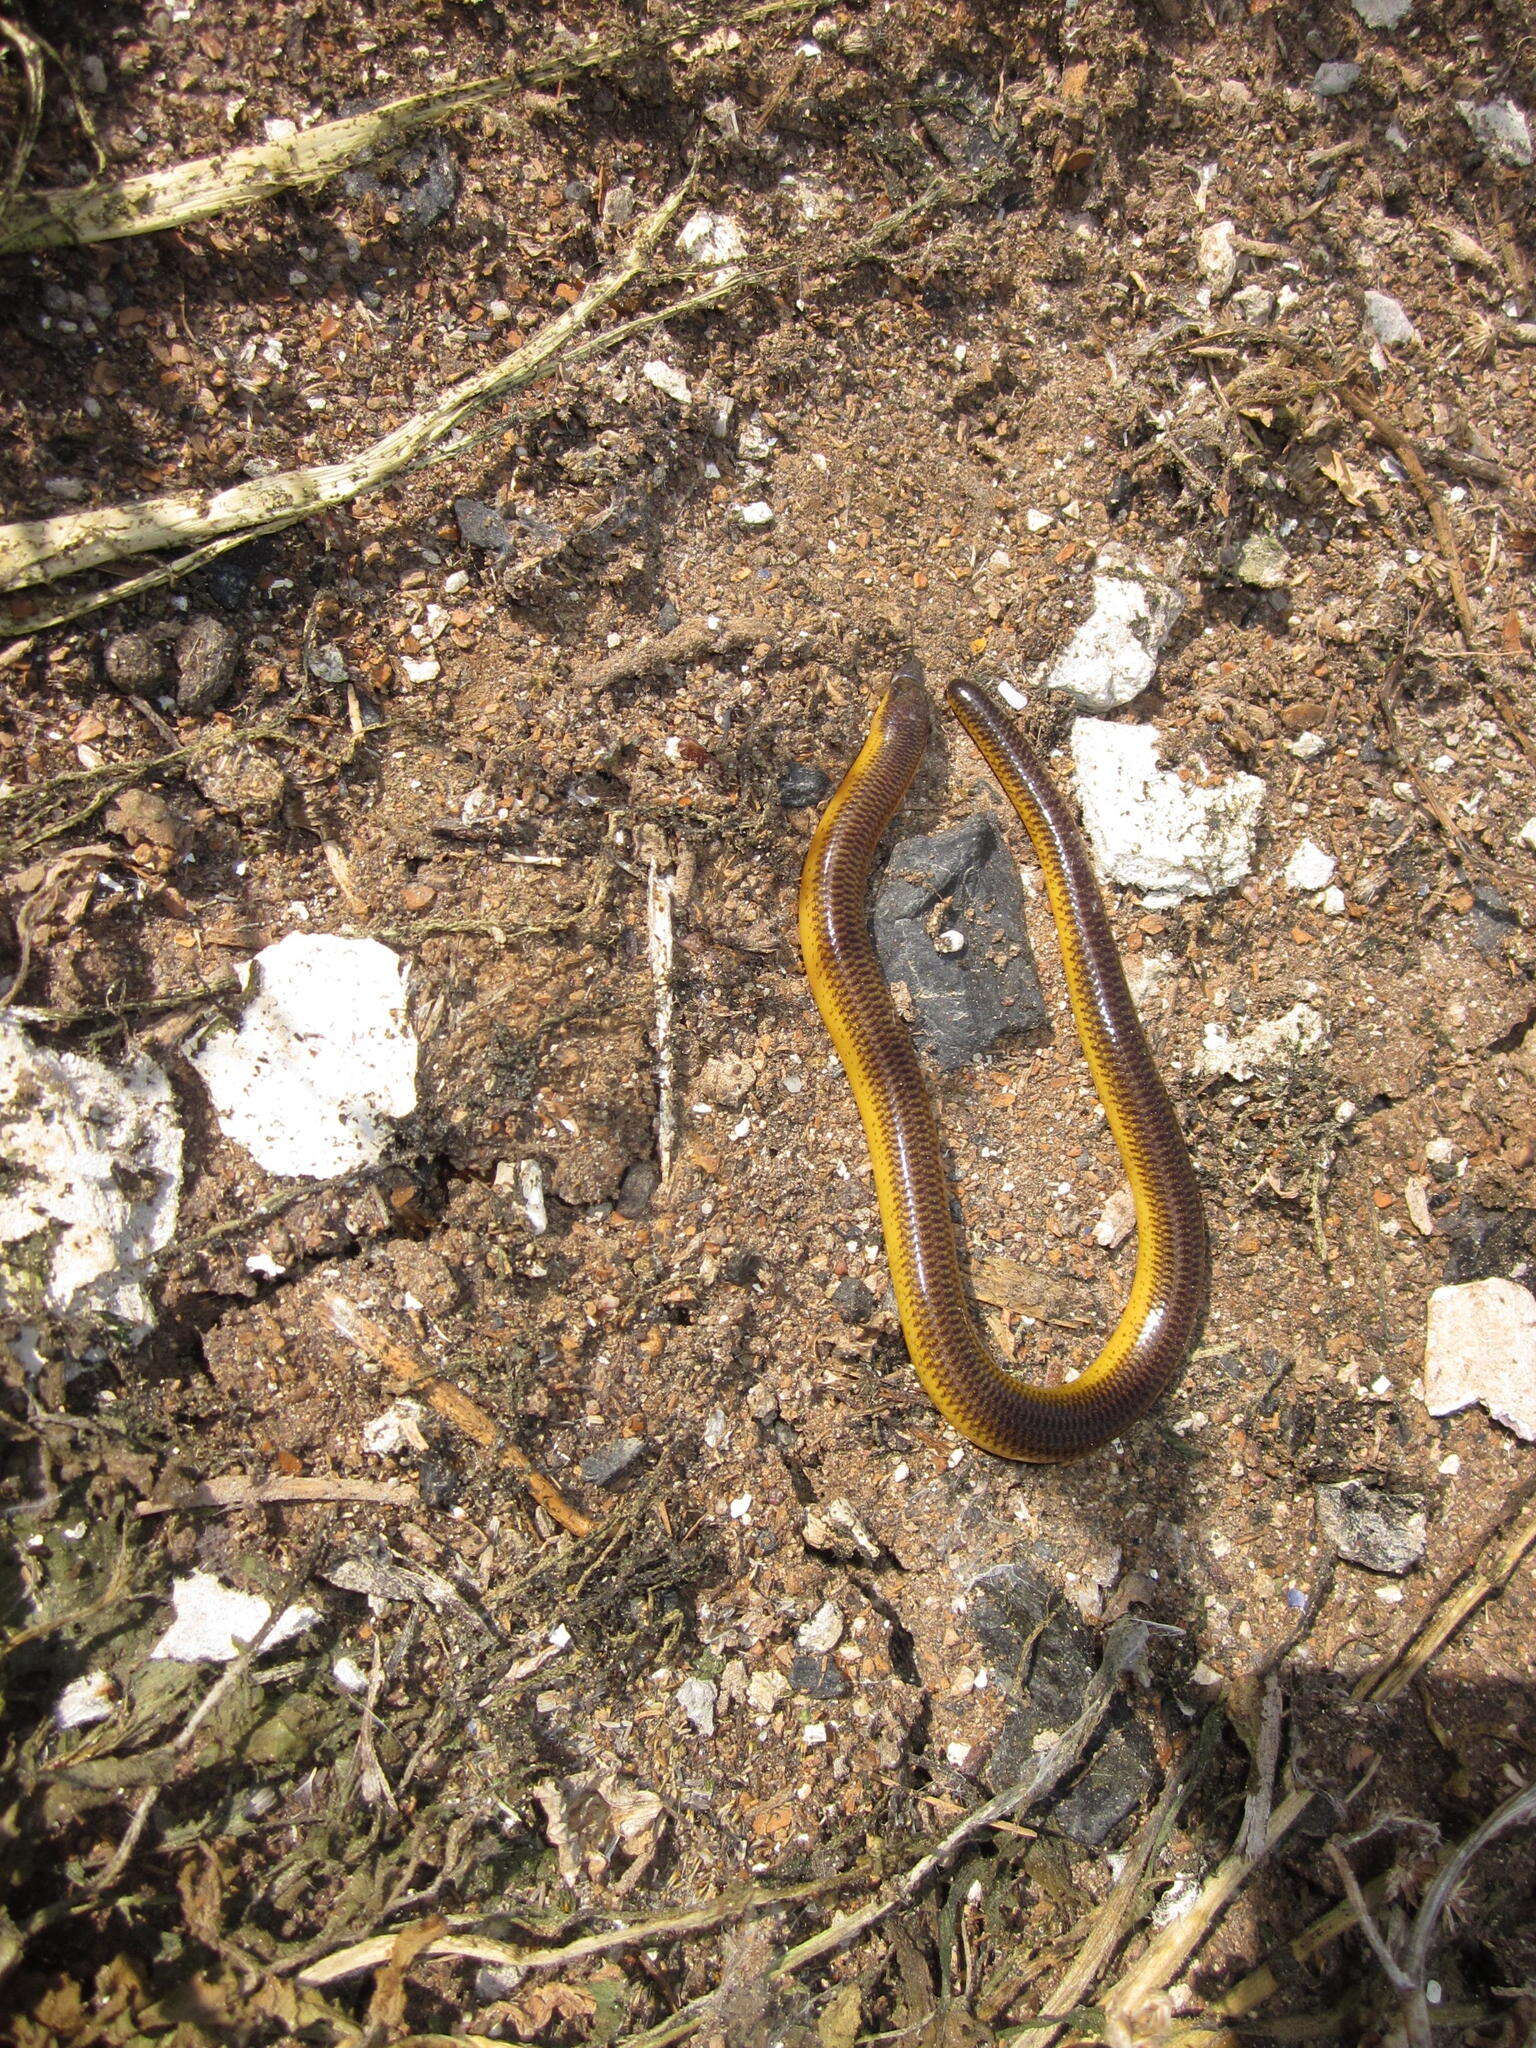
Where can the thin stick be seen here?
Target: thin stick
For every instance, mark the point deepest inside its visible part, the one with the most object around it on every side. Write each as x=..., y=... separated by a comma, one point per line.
x=186, y=192
x=361, y=1956
x=1179, y=1940
x=44, y=550
x=1109, y=1925
x=1462, y=1599
x=237, y=1491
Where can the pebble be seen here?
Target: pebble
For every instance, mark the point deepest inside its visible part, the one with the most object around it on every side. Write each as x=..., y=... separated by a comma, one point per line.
x=1334, y=903
x=640, y=1181
x=696, y=1697
x=1307, y=746
x=765, y=1689
x=853, y=1301
x=481, y=526
x=801, y=785
x=1480, y=1345
x=205, y=664
x=823, y=1632
x=1117, y=1220
x=1527, y=834
x=1113, y=655
x=418, y=896
x=756, y=515
x=133, y=663
x=1262, y=563
x=1309, y=868
x=1331, y=81
x=672, y=383
x=1216, y=254
x=1501, y=128
x=817, y=1677
x=1366, y=1525
x=1387, y=319
x=712, y=240
x=1154, y=832
x=602, y=1466
x=1382, y=13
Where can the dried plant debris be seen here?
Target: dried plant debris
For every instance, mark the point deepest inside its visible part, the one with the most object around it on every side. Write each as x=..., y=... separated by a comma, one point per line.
x=462, y=578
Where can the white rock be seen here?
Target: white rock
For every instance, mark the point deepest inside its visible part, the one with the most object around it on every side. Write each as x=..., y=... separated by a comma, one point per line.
x=1116, y=1221
x=754, y=443
x=1500, y=126
x=425, y=669
x=397, y=1429
x=758, y=514
x=349, y=1675
x=91, y=1182
x=824, y=1631
x=214, y=1623
x=530, y=1188
x=1334, y=904
x=1216, y=254
x=765, y=1689
x=712, y=240
x=278, y=128
x=1527, y=834
x=1382, y=13
x=1152, y=831
x=1113, y=655
x=1272, y=1043
x=85, y=1700
x=672, y=382
x=1387, y=318
x=1038, y=521
x=696, y=1697
x=814, y=1734
x=1309, y=868
x=1480, y=1345
x=1307, y=746
x=322, y=1060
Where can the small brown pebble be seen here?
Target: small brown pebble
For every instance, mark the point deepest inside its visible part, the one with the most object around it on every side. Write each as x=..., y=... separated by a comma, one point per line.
x=418, y=896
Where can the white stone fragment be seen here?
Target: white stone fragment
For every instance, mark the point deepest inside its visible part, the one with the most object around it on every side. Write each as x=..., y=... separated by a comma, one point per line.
x=765, y=1689
x=1309, y=868
x=712, y=240
x=397, y=1429
x=1216, y=254
x=1334, y=903
x=1382, y=13
x=85, y=1700
x=1527, y=834
x=1152, y=831
x=1113, y=655
x=322, y=1060
x=1501, y=128
x=758, y=514
x=668, y=381
x=349, y=1675
x=1039, y=521
x=824, y=1631
x=90, y=1183
x=1117, y=1220
x=1480, y=1345
x=1307, y=746
x=696, y=1697
x=1387, y=318
x=1276, y=1041
x=214, y=1623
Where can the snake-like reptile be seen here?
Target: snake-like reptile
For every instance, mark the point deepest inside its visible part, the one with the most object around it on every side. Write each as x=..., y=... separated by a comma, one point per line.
x=983, y=1400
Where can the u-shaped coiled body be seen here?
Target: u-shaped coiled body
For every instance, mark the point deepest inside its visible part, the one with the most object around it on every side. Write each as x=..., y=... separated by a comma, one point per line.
x=985, y=1402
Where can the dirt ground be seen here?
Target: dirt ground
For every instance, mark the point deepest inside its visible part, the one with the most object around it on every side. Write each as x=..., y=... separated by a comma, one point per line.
x=681, y=1586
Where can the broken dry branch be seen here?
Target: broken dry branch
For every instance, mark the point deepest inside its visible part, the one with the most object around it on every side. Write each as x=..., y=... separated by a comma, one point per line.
x=235, y=178
x=44, y=550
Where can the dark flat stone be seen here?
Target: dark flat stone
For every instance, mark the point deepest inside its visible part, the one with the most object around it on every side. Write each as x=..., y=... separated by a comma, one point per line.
x=963, y=881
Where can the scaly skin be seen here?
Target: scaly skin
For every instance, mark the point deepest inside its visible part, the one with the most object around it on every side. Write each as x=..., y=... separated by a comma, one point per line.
x=986, y=1403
